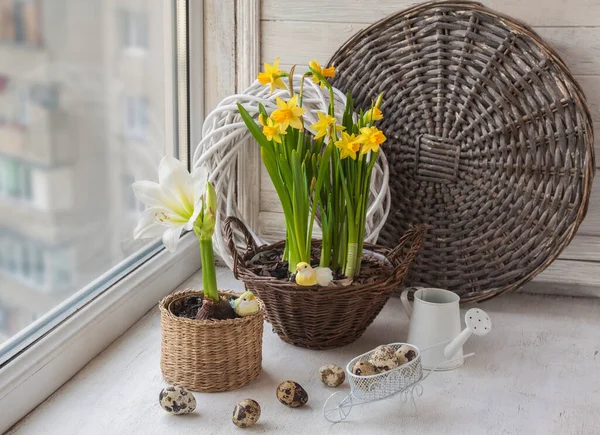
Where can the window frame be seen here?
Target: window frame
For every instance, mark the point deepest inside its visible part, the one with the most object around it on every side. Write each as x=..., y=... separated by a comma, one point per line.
x=50, y=360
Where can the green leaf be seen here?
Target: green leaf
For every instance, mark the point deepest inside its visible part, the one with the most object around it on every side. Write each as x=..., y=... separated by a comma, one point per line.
x=253, y=127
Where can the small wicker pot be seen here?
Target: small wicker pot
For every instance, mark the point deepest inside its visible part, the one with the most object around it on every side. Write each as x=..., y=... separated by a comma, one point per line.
x=323, y=317
x=210, y=355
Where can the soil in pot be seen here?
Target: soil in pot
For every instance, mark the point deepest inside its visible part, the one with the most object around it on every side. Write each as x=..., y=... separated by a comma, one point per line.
x=269, y=263
x=220, y=310
x=195, y=307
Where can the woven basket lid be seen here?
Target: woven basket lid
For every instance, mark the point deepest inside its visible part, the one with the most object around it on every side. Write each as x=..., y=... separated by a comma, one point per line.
x=490, y=142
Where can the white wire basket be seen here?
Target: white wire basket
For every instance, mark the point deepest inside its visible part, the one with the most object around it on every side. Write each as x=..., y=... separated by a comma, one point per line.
x=389, y=383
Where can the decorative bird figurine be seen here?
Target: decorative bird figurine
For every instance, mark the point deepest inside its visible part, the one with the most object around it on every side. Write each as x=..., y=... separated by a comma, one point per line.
x=307, y=276
x=245, y=305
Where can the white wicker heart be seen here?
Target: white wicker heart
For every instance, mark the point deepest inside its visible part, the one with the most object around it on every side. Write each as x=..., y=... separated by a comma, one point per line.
x=224, y=133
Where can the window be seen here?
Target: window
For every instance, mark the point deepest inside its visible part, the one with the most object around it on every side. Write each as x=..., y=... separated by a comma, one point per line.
x=71, y=277
x=15, y=179
x=67, y=157
x=27, y=262
x=20, y=21
x=59, y=250
x=131, y=204
x=134, y=30
x=136, y=117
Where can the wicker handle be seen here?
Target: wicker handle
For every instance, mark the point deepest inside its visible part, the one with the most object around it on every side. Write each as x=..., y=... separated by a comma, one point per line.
x=251, y=245
x=413, y=237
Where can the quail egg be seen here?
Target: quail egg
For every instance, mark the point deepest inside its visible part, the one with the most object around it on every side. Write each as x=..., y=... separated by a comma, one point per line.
x=383, y=358
x=405, y=354
x=364, y=368
x=292, y=394
x=332, y=375
x=177, y=400
x=246, y=413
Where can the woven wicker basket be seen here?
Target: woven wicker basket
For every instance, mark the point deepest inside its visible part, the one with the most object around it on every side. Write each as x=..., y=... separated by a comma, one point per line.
x=210, y=355
x=322, y=317
x=490, y=142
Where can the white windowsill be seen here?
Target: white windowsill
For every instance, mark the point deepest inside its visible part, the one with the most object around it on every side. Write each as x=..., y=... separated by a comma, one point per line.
x=536, y=373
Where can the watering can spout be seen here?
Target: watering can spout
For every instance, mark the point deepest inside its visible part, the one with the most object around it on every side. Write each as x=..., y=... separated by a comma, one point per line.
x=478, y=323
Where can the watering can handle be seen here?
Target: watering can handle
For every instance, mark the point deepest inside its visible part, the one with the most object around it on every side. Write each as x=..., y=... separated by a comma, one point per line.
x=405, y=301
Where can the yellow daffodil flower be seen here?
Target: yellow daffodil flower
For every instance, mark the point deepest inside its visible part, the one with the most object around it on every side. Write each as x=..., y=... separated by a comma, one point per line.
x=348, y=145
x=316, y=67
x=271, y=129
x=370, y=138
x=325, y=124
x=288, y=113
x=272, y=76
x=371, y=115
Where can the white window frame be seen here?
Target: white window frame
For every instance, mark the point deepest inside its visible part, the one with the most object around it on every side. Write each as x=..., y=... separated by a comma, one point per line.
x=34, y=373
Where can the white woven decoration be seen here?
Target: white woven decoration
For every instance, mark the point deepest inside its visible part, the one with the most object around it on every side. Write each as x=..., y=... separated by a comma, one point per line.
x=224, y=133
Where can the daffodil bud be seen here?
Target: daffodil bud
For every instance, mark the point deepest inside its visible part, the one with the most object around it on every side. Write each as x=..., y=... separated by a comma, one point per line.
x=379, y=100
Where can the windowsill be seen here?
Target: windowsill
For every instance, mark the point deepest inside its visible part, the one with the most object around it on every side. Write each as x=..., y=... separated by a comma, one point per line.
x=535, y=373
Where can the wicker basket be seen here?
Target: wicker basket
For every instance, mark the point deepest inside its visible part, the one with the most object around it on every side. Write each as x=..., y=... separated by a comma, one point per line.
x=323, y=317
x=210, y=355
x=490, y=142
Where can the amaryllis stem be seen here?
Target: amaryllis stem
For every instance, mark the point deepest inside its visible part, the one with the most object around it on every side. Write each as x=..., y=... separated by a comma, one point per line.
x=209, y=274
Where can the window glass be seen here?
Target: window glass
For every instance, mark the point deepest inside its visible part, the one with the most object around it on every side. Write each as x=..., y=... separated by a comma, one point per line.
x=80, y=81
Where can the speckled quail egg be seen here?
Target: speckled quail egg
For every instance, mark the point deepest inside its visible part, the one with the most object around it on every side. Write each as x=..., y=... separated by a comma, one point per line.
x=292, y=394
x=405, y=354
x=332, y=375
x=364, y=368
x=246, y=413
x=383, y=358
x=177, y=400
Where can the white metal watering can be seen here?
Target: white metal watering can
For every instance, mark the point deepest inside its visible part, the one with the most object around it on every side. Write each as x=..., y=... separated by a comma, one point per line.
x=435, y=326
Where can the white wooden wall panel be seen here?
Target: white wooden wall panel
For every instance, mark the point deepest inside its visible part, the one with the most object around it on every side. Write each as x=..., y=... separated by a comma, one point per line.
x=555, y=13
x=572, y=28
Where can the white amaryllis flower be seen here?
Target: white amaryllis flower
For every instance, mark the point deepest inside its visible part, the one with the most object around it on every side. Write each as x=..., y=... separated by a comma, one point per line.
x=173, y=203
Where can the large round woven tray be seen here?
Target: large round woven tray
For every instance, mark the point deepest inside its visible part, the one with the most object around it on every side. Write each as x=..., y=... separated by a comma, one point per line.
x=490, y=142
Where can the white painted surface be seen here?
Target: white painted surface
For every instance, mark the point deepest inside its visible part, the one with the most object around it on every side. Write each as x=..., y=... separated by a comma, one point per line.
x=537, y=372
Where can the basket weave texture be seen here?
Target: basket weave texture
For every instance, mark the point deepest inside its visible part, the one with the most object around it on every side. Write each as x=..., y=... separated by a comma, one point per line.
x=210, y=355
x=490, y=142
x=323, y=317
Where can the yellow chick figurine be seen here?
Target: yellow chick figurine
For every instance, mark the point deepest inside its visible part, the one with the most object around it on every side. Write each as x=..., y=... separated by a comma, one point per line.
x=245, y=305
x=307, y=276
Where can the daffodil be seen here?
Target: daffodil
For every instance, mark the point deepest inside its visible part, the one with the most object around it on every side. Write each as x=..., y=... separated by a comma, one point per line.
x=348, y=145
x=271, y=129
x=325, y=124
x=315, y=67
x=371, y=115
x=370, y=138
x=272, y=76
x=288, y=113
x=173, y=203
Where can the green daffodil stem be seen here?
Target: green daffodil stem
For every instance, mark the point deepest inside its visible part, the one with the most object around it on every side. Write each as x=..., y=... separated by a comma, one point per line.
x=351, y=260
